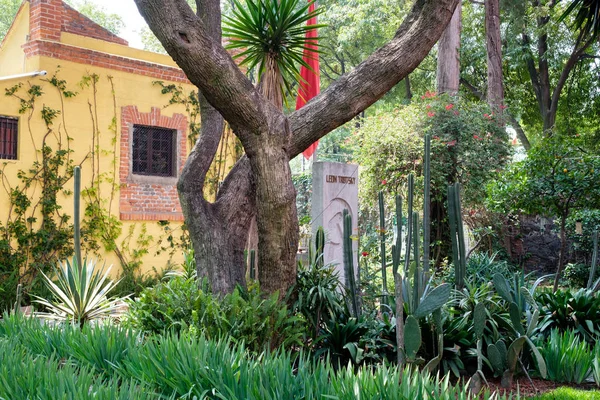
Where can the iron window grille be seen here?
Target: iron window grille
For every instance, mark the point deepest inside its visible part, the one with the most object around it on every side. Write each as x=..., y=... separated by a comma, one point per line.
x=153, y=151
x=9, y=135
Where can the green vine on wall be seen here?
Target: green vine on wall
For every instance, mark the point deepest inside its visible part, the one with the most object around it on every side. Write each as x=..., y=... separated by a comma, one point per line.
x=36, y=233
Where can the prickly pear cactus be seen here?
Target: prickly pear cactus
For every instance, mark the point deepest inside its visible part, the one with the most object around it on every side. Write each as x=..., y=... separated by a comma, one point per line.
x=479, y=319
x=433, y=301
x=412, y=337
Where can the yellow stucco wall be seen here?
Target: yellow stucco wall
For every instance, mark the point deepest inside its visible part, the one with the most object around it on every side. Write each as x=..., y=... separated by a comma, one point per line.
x=12, y=58
x=76, y=121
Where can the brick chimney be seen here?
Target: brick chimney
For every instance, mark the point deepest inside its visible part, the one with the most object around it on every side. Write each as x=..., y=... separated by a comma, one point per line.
x=45, y=19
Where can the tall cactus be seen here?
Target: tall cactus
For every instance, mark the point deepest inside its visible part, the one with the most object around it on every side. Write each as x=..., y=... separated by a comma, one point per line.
x=457, y=235
x=77, y=209
x=594, y=262
x=426, y=203
x=399, y=296
x=315, y=253
x=319, y=247
x=417, y=274
x=382, y=248
x=349, y=262
x=411, y=191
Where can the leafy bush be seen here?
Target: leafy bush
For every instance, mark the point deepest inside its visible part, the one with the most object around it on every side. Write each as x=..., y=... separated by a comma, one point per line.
x=568, y=358
x=244, y=315
x=577, y=275
x=166, y=306
x=247, y=316
x=566, y=310
x=582, y=244
x=465, y=137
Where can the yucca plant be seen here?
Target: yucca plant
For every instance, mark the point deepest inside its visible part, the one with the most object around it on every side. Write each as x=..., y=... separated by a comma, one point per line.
x=272, y=37
x=81, y=294
x=568, y=357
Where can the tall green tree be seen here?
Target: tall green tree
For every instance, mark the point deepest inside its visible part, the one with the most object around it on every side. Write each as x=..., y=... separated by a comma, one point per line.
x=549, y=68
x=8, y=10
x=99, y=14
x=260, y=184
x=557, y=177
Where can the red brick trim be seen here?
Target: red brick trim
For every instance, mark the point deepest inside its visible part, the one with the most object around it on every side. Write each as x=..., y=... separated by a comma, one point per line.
x=104, y=60
x=79, y=24
x=45, y=19
x=146, y=198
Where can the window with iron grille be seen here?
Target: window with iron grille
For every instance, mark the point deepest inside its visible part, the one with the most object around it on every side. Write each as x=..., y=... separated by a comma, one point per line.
x=9, y=134
x=153, y=151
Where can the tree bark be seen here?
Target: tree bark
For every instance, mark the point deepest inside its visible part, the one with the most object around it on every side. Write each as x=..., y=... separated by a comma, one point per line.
x=215, y=235
x=540, y=77
x=495, y=93
x=448, y=63
x=261, y=182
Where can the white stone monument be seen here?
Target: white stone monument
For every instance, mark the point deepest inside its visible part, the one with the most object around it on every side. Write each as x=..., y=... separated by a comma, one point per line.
x=335, y=187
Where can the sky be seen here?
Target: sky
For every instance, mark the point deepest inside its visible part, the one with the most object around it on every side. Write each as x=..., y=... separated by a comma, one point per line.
x=132, y=18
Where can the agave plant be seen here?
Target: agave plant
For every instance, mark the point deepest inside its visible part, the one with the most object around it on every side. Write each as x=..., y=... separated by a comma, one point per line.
x=272, y=37
x=80, y=294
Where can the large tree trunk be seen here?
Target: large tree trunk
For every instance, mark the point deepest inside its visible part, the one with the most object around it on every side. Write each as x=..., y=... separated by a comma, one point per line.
x=276, y=213
x=546, y=97
x=261, y=182
x=216, y=229
x=448, y=63
x=495, y=93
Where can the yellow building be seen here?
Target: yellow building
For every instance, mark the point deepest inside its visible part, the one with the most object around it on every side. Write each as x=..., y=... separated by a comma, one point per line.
x=74, y=91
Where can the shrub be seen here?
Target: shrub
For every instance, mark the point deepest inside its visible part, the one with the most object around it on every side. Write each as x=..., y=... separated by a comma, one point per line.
x=247, y=316
x=166, y=306
x=568, y=358
x=582, y=244
x=244, y=315
x=577, y=275
x=566, y=310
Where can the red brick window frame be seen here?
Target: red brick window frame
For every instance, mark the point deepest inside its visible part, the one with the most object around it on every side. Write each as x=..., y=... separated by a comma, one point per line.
x=9, y=137
x=150, y=197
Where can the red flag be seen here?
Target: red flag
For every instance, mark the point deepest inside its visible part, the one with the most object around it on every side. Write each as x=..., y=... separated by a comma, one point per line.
x=310, y=84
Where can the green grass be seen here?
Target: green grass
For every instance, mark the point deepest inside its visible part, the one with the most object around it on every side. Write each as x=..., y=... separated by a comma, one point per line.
x=565, y=393
x=64, y=362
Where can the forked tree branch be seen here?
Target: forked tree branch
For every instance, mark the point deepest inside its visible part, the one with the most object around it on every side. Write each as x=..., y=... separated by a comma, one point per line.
x=209, y=66
x=212, y=125
x=355, y=91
